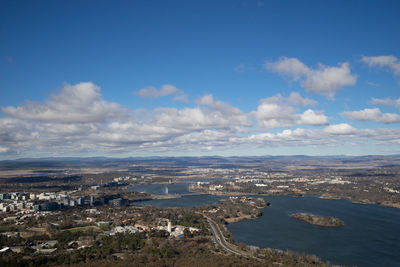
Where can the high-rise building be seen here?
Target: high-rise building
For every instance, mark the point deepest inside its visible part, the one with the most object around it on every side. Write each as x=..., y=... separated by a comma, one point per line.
x=169, y=226
x=92, y=200
x=66, y=201
x=81, y=201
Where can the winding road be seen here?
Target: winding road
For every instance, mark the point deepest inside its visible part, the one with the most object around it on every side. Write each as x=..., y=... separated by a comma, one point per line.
x=220, y=239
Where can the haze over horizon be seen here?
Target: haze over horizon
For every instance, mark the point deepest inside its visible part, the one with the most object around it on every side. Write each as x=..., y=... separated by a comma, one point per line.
x=186, y=78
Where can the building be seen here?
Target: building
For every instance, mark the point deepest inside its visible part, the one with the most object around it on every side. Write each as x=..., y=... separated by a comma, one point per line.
x=36, y=208
x=49, y=206
x=169, y=226
x=117, y=202
x=103, y=223
x=92, y=200
x=66, y=201
x=81, y=201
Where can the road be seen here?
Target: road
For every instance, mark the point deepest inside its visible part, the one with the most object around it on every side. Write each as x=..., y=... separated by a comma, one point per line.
x=220, y=239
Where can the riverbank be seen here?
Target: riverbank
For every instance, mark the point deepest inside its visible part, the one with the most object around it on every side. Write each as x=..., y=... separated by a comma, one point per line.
x=225, y=193
x=224, y=238
x=363, y=201
x=235, y=209
x=165, y=196
x=293, y=194
x=240, y=218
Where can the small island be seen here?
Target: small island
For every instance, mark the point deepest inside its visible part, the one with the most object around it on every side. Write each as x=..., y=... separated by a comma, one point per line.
x=318, y=220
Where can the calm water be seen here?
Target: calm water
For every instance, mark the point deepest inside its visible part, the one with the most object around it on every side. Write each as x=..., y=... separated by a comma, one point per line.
x=178, y=188
x=162, y=189
x=370, y=237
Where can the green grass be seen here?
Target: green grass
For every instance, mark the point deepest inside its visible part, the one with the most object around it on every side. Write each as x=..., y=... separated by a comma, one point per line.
x=10, y=228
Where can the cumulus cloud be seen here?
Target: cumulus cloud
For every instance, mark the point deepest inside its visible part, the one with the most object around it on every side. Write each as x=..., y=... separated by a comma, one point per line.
x=48, y=127
x=291, y=67
x=324, y=80
x=225, y=110
x=297, y=99
x=272, y=112
x=209, y=125
x=372, y=114
x=341, y=129
x=333, y=135
x=79, y=103
x=165, y=90
x=329, y=80
x=386, y=101
x=275, y=112
x=311, y=117
x=390, y=62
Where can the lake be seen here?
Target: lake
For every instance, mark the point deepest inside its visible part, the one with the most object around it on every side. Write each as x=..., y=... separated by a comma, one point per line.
x=186, y=201
x=171, y=189
x=370, y=237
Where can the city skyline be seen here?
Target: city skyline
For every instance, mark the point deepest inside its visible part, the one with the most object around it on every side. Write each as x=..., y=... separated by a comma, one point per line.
x=212, y=78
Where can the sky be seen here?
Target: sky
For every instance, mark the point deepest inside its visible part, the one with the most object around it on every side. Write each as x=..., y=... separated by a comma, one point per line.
x=197, y=78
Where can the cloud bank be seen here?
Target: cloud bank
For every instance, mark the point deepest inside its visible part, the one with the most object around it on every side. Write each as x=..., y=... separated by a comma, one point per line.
x=372, y=114
x=76, y=120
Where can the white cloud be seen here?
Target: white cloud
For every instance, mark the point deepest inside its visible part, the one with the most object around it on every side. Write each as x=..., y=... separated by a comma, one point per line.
x=342, y=128
x=165, y=90
x=275, y=112
x=333, y=135
x=390, y=62
x=79, y=103
x=386, y=102
x=210, y=125
x=161, y=129
x=274, y=108
x=181, y=98
x=324, y=80
x=372, y=114
x=272, y=112
x=311, y=117
x=152, y=92
x=292, y=67
x=297, y=99
x=329, y=80
x=225, y=110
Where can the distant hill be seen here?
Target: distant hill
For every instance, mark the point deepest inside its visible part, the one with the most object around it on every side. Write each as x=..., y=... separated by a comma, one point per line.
x=209, y=161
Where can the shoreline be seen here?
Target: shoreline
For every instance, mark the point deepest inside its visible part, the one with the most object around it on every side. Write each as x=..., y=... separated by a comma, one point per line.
x=362, y=202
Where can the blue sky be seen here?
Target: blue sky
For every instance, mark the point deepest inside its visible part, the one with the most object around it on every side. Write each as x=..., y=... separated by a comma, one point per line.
x=139, y=78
